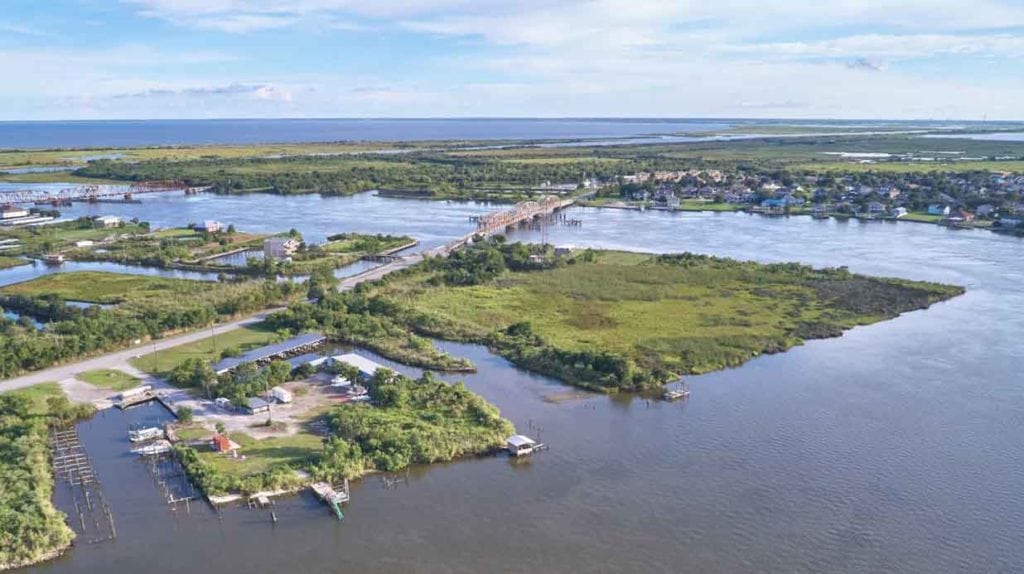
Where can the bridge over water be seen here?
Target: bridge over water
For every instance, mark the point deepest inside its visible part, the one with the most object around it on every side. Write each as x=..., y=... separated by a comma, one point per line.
x=90, y=193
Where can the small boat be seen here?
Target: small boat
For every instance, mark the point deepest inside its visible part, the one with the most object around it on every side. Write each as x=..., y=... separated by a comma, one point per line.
x=153, y=448
x=144, y=434
x=675, y=394
x=53, y=258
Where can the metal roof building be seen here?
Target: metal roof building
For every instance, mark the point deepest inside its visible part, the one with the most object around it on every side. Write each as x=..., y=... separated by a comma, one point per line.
x=270, y=352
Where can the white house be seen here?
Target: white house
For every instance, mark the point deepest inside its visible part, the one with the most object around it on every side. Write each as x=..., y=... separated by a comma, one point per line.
x=899, y=212
x=938, y=209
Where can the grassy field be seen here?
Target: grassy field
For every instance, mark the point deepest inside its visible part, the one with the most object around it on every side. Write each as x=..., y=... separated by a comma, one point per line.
x=109, y=379
x=49, y=238
x=264, y=454
x=208, y=349
x=38, y=394
x=8, y=262
x=692, y=316
x=106, y=288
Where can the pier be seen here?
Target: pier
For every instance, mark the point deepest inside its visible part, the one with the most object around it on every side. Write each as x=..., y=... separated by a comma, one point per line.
x=71, y=465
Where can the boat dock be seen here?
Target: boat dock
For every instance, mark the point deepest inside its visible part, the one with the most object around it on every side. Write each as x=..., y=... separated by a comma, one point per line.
x=332, y=496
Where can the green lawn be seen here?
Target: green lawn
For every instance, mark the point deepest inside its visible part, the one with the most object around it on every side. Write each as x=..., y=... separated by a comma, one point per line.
x=261, y=455
x=109, y=379
x=208, y=349
x=8, y=262
x=922, y=216
x=38, y=395
x=194, y=433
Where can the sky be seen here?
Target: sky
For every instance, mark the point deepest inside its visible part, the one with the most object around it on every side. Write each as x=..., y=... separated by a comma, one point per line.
x=865, y=59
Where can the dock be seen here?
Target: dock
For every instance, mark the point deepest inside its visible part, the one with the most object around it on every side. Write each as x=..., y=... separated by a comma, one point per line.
x=331, y=496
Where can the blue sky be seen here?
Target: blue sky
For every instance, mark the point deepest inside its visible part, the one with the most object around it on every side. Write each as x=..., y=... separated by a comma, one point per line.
x=914, y=59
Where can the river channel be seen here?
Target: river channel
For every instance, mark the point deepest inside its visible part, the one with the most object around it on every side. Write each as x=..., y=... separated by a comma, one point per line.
x=898, y=447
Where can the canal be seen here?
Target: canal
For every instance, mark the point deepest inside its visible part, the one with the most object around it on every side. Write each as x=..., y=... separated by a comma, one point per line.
x=896, y=447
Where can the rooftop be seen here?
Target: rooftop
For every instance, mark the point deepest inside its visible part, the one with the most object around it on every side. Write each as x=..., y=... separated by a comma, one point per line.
x=269, y=351
x=365, y=366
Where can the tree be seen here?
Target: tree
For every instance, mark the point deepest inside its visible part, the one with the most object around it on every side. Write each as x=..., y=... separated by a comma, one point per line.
x=185, y=414
x=221, y=429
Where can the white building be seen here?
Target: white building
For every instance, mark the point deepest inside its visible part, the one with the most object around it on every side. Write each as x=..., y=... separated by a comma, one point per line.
x=282, y=395
x=108, y=221
x=367, y=368
x=13, y=213
x=519, y=445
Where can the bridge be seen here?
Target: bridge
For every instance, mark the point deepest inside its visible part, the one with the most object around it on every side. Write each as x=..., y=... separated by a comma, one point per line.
x=90, y=193
x=498, y=221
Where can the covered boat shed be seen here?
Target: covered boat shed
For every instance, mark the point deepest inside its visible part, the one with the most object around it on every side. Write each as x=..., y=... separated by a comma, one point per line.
x=268, y=353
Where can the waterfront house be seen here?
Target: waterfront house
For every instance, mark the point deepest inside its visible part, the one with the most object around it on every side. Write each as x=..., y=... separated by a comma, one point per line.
x=985, y=210
x=209, y=226
x=280, y=247
x=1010, y=221
x=961, y=216
x=899, y=212
x=875, y=208
x=938, y=209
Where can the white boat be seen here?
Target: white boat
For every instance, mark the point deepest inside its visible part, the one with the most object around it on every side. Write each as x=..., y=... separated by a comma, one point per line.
x=144, y=434
x=154, y=448
x=675, y=394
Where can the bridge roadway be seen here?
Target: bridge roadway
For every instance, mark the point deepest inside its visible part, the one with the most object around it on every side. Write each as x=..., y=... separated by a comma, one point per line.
x=90, y=193
x=119, y=359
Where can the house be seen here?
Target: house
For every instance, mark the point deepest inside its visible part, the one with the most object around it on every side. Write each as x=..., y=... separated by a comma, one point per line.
x=899, y=212
x=209, y=226
x=961, y=215
x=519, y=445
x=938, y=209
x=280, y=247
x=563, y=251
x=223, y=403
x=282, y=395
x=256, y=405
x=985, y=210
x=875, y=208
x=108, y=221
x=1010, y=221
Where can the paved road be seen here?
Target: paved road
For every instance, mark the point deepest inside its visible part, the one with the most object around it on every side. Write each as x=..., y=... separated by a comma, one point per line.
x=68, y=371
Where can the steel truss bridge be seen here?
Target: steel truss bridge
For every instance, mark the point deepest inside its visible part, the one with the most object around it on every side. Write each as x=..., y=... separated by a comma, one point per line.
x=89, y=193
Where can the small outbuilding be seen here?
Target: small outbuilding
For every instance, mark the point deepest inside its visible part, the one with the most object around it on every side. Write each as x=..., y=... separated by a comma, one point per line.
x=520, y=445
x=282, y=395
x=256, y=405
x=222, y=443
